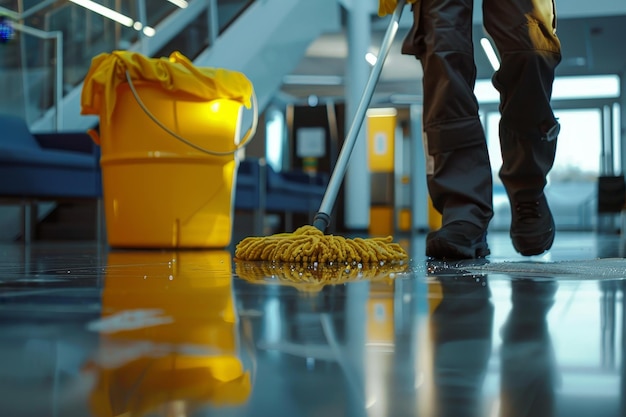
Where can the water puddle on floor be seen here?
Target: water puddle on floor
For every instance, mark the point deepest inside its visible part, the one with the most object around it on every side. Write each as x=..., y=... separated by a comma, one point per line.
x=596, y=269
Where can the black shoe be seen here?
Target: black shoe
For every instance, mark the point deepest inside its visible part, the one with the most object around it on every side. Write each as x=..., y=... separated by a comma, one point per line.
x=532, y=226
x=457, y=240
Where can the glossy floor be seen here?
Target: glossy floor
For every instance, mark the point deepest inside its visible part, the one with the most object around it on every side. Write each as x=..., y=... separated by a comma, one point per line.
x=86, y=331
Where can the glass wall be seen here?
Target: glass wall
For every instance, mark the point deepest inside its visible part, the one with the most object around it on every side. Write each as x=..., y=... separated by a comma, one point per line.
x=588, y=147
x=54, y=42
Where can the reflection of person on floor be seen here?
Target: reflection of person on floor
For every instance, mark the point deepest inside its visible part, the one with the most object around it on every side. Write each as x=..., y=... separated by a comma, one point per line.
x=527, y=386
x=461, y=326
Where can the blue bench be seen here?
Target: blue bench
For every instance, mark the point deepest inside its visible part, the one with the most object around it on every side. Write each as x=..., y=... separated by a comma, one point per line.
x=45, y=167
x=262, y=189
x=59, y=166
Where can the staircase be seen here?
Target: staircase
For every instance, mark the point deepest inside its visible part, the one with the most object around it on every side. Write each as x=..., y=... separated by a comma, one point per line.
x=264, y=39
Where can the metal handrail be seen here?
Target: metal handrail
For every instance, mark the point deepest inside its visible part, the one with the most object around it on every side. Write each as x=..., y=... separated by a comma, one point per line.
x=58, y=87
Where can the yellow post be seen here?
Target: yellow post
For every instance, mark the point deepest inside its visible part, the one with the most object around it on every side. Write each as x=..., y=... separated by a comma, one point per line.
x=381, y=127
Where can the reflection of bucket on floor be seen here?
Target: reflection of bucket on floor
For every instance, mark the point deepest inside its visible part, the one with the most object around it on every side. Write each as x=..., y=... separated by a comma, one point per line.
x=186, y=296
x=168, y=335
x=158, y=191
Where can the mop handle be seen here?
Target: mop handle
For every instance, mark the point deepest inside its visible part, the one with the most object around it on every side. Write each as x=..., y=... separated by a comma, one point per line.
x=322, y=218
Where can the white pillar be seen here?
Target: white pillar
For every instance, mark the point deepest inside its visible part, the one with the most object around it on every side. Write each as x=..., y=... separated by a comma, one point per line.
x=419, y=187
x=357, y=181
x=622, y=124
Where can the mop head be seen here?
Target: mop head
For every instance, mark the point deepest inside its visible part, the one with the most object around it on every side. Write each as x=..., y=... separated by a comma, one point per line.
x=309, y=245
x=312, y=278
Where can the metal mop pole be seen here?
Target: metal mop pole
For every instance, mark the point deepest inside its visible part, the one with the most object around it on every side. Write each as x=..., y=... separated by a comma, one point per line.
x=322, y=217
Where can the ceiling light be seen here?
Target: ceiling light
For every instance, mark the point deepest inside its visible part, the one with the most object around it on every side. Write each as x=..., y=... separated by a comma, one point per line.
x=180, y=3
x=564, y=88
x=576, y=61
x=149, y=31
x=295, y=79
x=371, y=58
x=105, y=11
x=491, y=53
x=406, y=98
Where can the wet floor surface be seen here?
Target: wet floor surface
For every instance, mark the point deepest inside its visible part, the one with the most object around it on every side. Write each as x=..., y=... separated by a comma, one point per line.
x=87, y=331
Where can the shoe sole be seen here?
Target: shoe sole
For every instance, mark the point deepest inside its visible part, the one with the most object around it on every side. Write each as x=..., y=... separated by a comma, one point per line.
x=537, y=243
x=439, y=248
x=529, y=245
x=533, y=245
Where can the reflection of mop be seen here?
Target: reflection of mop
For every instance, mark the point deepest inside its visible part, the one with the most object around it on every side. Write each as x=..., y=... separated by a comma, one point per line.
x=313, y=278
x=308, y=243
x=608, y=268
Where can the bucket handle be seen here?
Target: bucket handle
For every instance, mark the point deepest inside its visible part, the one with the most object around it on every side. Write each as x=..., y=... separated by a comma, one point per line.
x=242, y=144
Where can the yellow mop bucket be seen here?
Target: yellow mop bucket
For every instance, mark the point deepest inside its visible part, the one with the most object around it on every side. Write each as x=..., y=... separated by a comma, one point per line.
x=168, y=159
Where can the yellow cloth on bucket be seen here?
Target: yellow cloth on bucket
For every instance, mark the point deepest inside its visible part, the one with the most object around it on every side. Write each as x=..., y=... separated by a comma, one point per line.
x=176, y=74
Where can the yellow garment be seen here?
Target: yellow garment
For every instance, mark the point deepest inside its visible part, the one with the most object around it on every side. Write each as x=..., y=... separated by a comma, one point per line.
x=176, y=74
x=386, y=7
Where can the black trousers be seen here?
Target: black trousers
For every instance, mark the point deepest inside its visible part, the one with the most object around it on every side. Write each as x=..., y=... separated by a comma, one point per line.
x=524, y=32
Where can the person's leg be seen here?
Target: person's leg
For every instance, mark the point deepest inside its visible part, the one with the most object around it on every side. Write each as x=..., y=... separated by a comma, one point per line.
x=459, y=175
x=524, y=32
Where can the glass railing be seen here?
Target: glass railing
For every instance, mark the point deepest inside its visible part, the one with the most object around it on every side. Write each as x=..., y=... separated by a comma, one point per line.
x=199, y=35
x=54, y=42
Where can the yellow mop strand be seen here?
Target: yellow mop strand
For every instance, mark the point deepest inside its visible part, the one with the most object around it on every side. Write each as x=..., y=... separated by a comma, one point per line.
x=308, y=245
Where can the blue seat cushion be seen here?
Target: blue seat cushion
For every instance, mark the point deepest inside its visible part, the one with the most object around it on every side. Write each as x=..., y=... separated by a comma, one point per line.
x=35, y=157
x=15, y=133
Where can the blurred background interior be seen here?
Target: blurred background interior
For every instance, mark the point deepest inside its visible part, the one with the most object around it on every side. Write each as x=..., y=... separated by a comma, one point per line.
x=308, y=62
x=86, y=332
